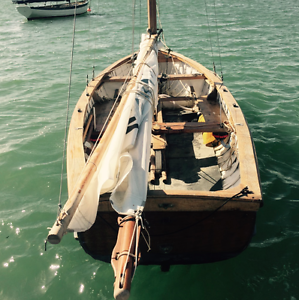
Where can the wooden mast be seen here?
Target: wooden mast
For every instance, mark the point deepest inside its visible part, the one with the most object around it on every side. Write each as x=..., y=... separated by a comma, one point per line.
x=152, y=16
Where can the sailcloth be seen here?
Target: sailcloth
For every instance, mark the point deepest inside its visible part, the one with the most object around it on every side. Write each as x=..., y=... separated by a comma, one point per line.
x=123, y=170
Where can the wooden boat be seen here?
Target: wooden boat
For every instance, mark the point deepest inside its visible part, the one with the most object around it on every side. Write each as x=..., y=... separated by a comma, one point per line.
x=161, y=165
x=35, y=9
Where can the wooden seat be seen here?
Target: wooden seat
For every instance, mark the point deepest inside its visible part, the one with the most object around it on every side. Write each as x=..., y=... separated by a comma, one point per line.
x=186, y=127
x=168, y=77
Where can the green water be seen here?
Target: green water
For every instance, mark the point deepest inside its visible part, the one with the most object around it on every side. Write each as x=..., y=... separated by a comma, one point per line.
x=259, y=45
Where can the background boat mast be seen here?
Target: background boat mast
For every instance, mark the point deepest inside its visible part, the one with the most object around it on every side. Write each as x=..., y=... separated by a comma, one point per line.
x=152, y=16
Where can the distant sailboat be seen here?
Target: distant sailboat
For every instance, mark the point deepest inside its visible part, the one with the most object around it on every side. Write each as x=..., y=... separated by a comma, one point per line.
x=35, y=9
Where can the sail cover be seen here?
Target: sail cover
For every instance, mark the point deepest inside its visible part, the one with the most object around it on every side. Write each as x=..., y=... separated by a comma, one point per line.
x=123, y=171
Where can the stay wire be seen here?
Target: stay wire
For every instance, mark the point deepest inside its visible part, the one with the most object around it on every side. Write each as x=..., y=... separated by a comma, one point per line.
x=218, y=41
x=67, y=109
x=206, y=8
x=160, y=23
x=133, y=25
x=90, y=45
x=140, y=18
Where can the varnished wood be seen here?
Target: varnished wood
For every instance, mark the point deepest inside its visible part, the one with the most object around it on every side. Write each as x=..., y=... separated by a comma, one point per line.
x=171, y=201
x=183, y=77
x=175, y=99
x=170, y=77
x=159, y=141
x=124, y=258
x=186, y=127
x=152, y=16
x=87, y=126
x=178, y=237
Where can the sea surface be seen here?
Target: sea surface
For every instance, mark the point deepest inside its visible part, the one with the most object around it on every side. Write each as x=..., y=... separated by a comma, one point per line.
x=254, y=44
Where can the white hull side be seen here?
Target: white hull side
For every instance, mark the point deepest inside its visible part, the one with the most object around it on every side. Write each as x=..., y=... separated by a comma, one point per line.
x=48, y=12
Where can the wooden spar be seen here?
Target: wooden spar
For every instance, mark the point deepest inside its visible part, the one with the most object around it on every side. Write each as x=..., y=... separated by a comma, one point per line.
x=125, y=256
x=61, y=224
x=152, y=16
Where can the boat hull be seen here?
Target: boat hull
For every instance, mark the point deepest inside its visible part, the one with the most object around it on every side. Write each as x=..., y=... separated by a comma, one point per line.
x=177, y=237
x=36, y=12
x=186, y=225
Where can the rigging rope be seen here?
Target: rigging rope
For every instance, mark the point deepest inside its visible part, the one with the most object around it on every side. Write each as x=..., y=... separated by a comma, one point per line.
x=133, y=25
x=206, y=8
x=67, y=109
x=160, y=24
x=217, y=34
x=91, y=54
x=219, y=52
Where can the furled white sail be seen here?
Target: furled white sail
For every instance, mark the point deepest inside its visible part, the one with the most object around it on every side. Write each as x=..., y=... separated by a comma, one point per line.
x=123, y=169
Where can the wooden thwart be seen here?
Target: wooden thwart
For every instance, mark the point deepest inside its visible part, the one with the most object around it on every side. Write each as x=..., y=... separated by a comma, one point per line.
x=168, y=99
x=168, y=77
x=187, y=127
